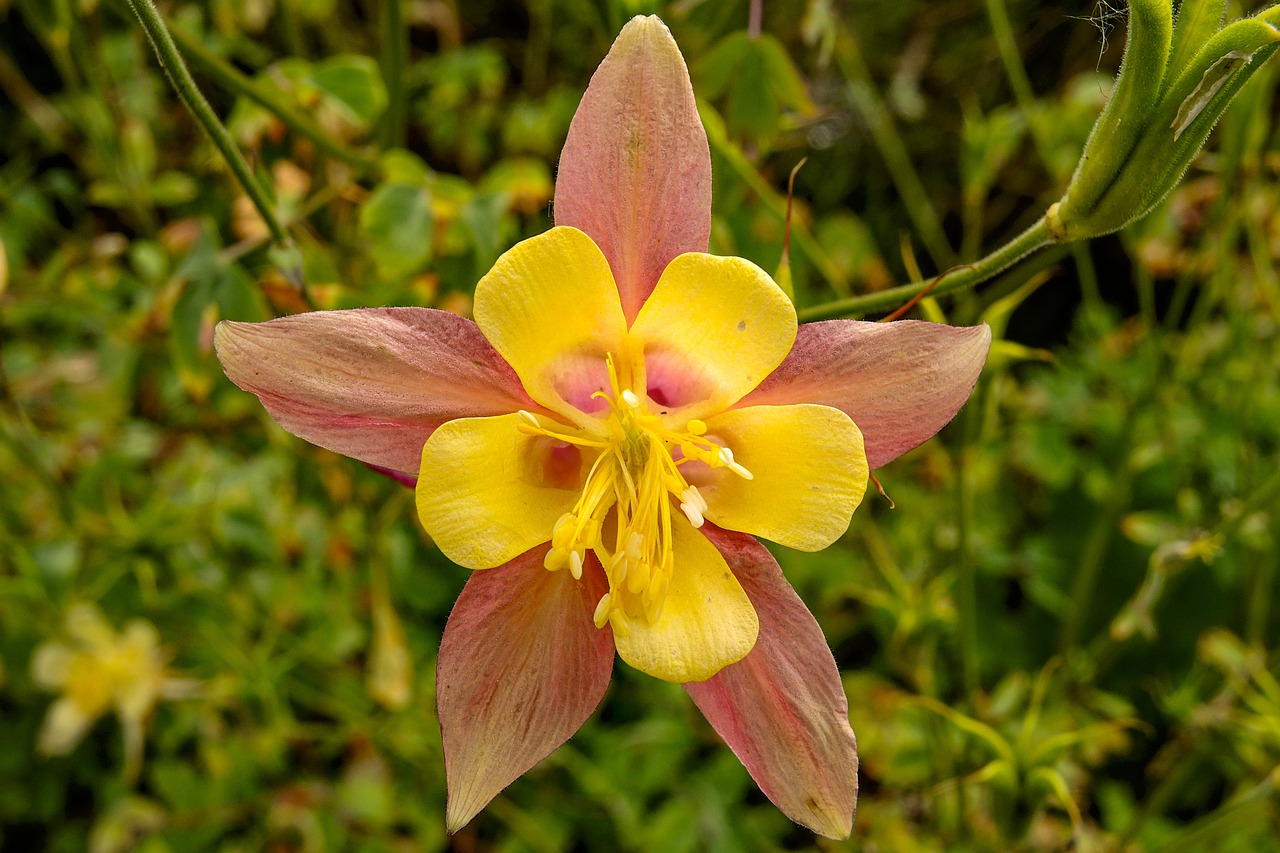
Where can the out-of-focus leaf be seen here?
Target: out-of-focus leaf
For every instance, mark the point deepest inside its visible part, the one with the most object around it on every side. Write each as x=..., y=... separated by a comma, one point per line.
x=397, y=220
x=524, y=181
x=989, y=141
x=757, y=79
x=170, y=189
x=355, y=84
x=482, y=216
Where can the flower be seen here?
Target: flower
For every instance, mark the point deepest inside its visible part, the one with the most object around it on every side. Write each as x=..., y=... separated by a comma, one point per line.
x=624, y=411
x=101, y=671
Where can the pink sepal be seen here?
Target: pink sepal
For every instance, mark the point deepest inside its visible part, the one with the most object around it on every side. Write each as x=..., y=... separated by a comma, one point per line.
x=370, y=383
x=635, y=171
x=782, y=708
x=900, y=382
x=521, y=668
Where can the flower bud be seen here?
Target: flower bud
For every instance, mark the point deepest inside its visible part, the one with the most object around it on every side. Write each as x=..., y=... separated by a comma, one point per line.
x=1174, y=84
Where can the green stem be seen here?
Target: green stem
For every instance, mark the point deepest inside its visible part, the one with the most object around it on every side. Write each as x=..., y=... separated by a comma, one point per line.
x=1094, y=554
x=1007, y=44
x=180, y=77
x=288, y=18
x=226, y=76
x=969, y=275
x=892, y=149
x=966, y=579
x=1087, y=273
x=395, y=49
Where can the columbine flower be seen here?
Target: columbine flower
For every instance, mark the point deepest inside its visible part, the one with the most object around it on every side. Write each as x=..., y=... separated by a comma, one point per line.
x=102, y=671
x=623, y=412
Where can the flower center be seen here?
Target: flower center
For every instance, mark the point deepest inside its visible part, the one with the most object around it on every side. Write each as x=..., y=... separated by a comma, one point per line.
x=637, y=474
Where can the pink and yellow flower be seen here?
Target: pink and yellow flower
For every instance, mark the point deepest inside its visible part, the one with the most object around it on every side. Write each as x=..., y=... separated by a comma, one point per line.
x=603, y=442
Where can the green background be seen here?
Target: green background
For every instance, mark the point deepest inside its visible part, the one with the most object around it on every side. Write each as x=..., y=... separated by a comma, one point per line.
x=1071, y=602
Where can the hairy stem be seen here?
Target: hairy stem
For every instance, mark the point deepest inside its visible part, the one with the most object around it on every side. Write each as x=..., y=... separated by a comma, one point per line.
x=180, y=77
x=226, y=76
x=959, y=278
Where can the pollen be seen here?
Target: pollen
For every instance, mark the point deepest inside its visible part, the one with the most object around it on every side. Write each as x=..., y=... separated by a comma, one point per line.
x=625, y=510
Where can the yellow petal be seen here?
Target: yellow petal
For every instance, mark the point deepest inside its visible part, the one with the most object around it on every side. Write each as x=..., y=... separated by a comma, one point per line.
x=50, y=665
x=712, y=329
x=488, y=493
x=808, y=470
x=64, y=726
x=86, y=623
x=550, y=307
x=707, y=621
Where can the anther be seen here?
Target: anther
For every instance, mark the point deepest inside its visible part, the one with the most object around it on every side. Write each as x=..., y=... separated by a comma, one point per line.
x=630, y=398
x=601, y=615
x=696, y=427
x=693, y=505
x=726, y=456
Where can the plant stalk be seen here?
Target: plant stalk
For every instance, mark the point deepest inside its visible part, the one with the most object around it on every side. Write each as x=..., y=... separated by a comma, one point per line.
x=226, y=76
x=958, y=278
x=180, y=77
x=395, y=49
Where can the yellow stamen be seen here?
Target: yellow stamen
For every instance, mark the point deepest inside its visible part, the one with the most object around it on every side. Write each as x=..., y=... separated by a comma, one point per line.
x=636, y=475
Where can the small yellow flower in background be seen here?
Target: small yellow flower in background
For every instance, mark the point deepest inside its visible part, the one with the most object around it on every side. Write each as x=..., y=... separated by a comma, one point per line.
x=103, y=670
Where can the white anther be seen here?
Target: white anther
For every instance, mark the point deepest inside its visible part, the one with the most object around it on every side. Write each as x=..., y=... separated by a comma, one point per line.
x=693, y=505
x=631, y=399
x=529, y=418
x=693, y=496
x=575, y=564
x=726, y=456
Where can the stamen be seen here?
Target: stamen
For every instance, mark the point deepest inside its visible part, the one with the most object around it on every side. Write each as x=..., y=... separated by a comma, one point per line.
x=693, y=505
x=530, y=425
x=603, y=607
x=637, y=476
x=726, y=456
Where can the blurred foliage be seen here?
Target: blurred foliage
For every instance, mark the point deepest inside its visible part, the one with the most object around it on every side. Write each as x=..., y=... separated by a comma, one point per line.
x=1063, y=634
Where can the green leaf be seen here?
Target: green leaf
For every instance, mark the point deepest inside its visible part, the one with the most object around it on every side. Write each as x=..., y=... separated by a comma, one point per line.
x=403, y=167
x=397, y=221
x=482, y=216
x=759, y=81
x=784, y=78
x=718, y=69
x=752, y=110
x=353, y=82
x=170, y=189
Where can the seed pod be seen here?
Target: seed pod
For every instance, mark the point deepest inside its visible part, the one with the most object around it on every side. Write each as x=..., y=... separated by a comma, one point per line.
x=1114, y=184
